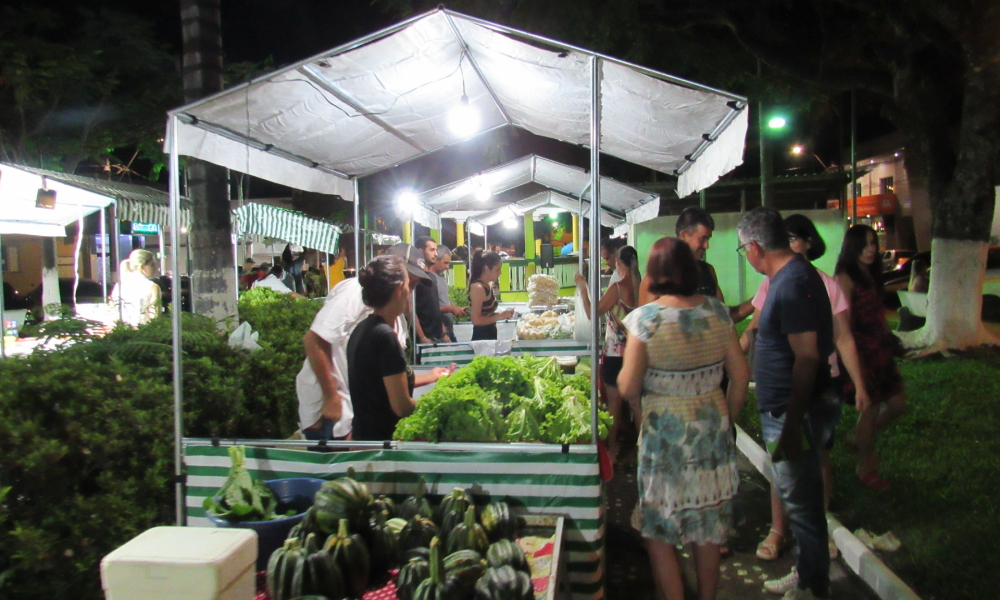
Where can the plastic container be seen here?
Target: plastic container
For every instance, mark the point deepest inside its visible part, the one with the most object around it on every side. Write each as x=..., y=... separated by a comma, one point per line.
x=182, y=563
x=296, y=493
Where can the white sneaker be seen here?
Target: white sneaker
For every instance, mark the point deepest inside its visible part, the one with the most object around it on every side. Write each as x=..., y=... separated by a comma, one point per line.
x=783, y=585
x=797, y=594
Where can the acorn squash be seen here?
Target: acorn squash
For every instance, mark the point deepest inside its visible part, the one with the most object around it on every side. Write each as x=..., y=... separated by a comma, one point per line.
x=433, y=587
x=349, y=553
x=416, y=504
x=468, y=535
x=505, y=583
x=319, y=575
x=417, y=533
x=384, y=504
x=505, y=552
x=457, y=501
x=282, y=567
x=382, y=546
x=498, y=521
x=410, y=576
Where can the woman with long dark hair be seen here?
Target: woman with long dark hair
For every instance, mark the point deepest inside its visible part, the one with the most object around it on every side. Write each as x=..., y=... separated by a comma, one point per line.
x=380, y=380
x=859, y=273
x=483, y=312
x=618, y=300
x=678, y=348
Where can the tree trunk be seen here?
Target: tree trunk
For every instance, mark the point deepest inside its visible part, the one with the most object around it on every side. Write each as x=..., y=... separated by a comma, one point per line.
x=963, y=193
x=213, y=280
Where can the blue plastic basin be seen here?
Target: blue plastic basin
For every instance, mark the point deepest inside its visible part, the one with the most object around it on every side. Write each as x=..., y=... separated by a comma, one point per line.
x=295, y=493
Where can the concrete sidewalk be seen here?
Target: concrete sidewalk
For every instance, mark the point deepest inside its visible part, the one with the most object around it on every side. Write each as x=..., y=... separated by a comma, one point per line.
x=742, y=575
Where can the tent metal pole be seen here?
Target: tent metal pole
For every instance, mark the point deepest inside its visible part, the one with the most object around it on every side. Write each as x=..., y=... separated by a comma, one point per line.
x=595, y=221
x=117, y=259
x=357, y=229
x=327, y=255
x=175, y=319
x=104, y=256
x=579, y=235
x=3, y=318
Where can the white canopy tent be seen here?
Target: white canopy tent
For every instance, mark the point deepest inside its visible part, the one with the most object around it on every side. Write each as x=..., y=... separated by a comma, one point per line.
x=621, y=205
x=372, y=104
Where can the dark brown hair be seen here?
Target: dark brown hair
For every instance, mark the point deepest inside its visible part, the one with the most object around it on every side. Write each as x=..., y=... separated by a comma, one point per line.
x=380, y=279
x=671, y=268
x=482, y=260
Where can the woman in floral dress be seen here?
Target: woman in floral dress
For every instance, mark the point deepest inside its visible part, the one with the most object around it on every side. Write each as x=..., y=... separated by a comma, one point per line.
x=678, y=348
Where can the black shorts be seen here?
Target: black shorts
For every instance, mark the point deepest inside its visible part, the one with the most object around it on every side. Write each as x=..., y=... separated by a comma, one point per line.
x=611, y=366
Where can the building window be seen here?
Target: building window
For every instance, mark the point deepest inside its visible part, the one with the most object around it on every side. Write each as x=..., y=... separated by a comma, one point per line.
x=857, y=189
x=886, y=186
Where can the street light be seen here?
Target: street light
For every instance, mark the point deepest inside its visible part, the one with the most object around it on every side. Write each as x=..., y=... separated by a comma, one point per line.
x=797, y=150
x=777, y=122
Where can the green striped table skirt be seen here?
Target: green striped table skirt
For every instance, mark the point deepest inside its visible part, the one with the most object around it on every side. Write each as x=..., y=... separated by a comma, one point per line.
x=555, y=483
x=462, y=353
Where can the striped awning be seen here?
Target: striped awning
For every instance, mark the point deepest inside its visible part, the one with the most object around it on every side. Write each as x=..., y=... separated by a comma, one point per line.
x=131, y=209
x=286, y=225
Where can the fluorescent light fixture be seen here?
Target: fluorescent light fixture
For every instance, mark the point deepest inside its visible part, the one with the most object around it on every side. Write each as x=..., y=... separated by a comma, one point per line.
x=463, y=120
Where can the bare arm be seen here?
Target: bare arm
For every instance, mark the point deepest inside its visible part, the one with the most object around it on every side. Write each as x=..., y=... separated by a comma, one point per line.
x=478, y=295
x=320, y=356
x=398, y=390
x=805, y=347
x=744, y=339
x=607, y=301
x=739, y=377
x=634, y=364
x=848, y=353
x=741, y=311
x=433, y=375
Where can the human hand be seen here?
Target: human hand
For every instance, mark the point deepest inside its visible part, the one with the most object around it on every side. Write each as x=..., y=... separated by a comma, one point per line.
x=331, y=409
x=439, y=372
x=862, y=401
x=423, y=339
x=460, y=311
x=507, y=314
x=789, y=444
x=580, y=279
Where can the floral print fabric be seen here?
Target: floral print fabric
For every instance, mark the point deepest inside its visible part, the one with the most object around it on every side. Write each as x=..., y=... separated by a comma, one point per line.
x=687, y=471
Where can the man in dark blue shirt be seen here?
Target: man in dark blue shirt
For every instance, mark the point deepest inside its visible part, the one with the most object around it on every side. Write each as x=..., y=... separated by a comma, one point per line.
x=794, y=337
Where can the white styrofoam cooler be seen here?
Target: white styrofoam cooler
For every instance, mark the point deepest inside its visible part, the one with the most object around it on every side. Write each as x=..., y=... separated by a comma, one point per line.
x=189, y=563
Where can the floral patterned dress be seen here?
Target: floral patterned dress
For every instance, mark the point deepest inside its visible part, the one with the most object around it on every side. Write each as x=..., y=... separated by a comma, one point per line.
x=687, y=471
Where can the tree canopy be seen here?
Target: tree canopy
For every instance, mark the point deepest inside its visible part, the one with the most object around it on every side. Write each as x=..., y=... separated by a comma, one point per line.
x=78, y=85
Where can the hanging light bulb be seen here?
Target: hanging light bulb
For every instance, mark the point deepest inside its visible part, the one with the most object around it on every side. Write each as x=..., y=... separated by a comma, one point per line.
x=463, y=120
x=405, y=201
x=483, y=193
x=510, y=223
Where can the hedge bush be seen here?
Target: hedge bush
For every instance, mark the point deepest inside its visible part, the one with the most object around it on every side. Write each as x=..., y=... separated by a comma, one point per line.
x=86, y=434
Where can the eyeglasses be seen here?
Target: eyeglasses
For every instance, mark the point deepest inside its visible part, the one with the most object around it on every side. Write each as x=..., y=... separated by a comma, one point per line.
x=742, y=250
x=793, y=238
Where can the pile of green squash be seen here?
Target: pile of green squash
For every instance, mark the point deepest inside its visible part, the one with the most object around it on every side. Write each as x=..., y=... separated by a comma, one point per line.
x=350, y=541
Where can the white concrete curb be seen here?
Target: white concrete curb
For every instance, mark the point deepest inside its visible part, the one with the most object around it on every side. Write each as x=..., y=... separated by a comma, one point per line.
x=865, y=563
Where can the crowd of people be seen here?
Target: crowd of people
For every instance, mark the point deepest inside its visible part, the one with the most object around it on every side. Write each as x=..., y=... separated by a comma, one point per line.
x=671, y=361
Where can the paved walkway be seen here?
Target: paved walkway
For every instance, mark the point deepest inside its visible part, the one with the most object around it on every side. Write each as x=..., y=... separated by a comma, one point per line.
x=741, y=575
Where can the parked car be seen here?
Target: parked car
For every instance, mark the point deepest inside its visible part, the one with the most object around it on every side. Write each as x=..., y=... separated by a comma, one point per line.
x=899, y=278
x=893, y=259
x=165, y=282
x=88, y=291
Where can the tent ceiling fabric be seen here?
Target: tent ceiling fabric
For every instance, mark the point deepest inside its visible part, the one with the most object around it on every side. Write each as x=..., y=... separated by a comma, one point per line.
x=542, y=200
x=458, y=200
x=18, y=213
x=383, y=100
x=273, y=222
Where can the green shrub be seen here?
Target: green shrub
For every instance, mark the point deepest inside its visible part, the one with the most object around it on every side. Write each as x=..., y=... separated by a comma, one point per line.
x=86, y=434
x=459, y=297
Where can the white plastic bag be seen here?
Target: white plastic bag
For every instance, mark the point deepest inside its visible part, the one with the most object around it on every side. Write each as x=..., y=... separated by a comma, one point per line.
x=244, y=337
x=581, y=324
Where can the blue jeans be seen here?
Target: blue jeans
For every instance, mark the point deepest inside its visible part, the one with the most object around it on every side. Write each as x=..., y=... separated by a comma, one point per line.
x=800, y=485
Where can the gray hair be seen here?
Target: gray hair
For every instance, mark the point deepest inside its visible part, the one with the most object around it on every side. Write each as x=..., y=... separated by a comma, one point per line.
x=443, y=251
x=765, y=226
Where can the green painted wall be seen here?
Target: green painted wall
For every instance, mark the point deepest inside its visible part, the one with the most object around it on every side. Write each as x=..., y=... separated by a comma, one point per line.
x=730, y=267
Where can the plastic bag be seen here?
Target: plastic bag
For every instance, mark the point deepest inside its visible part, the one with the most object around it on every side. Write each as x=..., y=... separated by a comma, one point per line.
x=244, y=337
x=581, y=324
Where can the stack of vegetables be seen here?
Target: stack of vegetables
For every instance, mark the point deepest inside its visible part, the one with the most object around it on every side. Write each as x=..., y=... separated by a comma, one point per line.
x=350, y=541
x=525, y=399
x=547, y=325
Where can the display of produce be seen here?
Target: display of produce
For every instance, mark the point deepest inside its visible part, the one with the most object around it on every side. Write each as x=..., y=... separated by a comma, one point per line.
x=243, y=498
x=543, y=290
x=523, y=399
x=348, y=564
x=547, y=325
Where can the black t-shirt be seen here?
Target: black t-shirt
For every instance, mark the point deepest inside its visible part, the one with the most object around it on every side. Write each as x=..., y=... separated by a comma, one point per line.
x=373, y=352
x=796, y=302
x=428, y=307
x=707, y=285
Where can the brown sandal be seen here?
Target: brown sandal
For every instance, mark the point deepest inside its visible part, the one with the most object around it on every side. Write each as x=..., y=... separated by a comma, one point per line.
x=769, y=551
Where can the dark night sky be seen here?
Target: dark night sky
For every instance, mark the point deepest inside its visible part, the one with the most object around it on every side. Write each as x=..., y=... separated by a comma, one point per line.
x=289, y=30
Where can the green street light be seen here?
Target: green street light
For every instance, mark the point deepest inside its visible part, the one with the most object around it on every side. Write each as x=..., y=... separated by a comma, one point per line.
x=776, y=122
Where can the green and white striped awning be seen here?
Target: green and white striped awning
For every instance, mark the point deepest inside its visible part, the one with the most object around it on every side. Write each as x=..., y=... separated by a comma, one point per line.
x=292, y=227
x=142, y=211
x=549, y=482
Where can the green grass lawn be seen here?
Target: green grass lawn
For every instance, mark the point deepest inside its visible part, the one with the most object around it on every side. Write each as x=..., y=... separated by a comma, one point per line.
x=942, y=459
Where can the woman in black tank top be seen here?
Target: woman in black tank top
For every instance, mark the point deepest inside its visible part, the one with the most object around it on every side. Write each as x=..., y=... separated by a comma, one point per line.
x=483, y=300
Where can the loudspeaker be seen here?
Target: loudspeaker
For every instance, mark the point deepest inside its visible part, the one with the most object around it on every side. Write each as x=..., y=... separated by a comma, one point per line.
x=547, y=258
